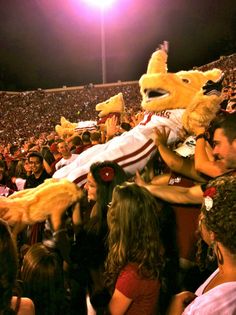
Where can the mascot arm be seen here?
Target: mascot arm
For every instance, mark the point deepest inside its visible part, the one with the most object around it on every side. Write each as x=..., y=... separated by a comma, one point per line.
x=35, y=204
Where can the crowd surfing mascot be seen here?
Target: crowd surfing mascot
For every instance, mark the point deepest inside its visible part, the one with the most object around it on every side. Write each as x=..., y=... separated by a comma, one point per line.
x=170, y=99
x=166, y=96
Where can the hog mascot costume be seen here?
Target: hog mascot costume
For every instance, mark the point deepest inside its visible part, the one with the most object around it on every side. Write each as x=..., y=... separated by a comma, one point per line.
x=166, y=96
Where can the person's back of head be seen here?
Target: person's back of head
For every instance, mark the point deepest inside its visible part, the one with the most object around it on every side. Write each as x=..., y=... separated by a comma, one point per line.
x=86, y=137
x=125, y=126
x=134, y=232
x=95, y=137
x=42, y=276
x=8, y=268
x=13, y=149
x=76, y=141
x=107, y=176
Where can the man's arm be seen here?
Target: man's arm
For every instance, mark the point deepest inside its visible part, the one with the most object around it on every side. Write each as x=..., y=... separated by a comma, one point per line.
x=175, y=162
x=173, y=194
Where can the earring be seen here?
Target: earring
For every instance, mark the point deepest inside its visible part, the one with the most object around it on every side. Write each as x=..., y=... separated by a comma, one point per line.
x=219, y=255
x=210, y=252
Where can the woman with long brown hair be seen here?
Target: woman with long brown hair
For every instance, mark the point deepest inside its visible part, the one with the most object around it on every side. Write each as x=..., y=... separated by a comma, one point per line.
x=134, y=261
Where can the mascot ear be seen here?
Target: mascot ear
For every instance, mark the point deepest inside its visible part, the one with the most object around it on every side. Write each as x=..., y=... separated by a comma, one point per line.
x=158, y=60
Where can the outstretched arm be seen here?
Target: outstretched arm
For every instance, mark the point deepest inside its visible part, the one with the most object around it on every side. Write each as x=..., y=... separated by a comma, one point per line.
x=174, y=161
x=173, y=194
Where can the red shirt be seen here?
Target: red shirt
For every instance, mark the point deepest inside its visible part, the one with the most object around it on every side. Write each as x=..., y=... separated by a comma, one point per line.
x=143, y=292
x=186, y=220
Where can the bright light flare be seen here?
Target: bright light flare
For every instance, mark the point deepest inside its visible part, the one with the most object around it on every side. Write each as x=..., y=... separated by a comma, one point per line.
x=102, y=4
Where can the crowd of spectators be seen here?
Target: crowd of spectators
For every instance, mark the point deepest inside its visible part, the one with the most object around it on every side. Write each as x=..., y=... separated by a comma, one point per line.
x=40, y=111
x=128, y=261
x=28, y=114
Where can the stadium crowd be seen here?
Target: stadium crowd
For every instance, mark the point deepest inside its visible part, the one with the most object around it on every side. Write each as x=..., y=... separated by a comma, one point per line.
x=130, y=244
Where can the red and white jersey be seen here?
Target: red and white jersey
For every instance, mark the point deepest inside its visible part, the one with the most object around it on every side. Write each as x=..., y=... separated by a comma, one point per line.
x=131, y=150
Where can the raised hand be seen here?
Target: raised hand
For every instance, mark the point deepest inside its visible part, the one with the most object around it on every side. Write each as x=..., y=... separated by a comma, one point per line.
x=161, y=135
x=180, y=301
x=112, y=126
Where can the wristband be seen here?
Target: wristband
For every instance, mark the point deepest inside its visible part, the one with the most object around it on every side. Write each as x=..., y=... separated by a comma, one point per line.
x=202, y=136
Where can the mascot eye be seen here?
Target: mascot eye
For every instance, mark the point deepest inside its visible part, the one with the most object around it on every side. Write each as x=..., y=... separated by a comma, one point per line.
x=185, y=80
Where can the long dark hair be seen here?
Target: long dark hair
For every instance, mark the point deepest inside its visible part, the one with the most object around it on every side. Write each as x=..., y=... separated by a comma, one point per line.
x=219, y=217
x=42, y=276
x=107, y=176
x=8, y=268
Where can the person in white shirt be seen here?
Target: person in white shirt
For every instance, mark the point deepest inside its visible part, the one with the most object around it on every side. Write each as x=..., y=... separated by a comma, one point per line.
x=67, y=156
x=217, y=226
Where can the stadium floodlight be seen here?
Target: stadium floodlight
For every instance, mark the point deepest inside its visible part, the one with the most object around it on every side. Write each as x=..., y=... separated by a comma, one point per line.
x=102, y=5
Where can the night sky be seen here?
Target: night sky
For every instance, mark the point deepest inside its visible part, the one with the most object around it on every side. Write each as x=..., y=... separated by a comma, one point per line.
x=52, y=43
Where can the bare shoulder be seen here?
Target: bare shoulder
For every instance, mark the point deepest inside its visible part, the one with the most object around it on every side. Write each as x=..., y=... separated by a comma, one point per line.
x=26, y=306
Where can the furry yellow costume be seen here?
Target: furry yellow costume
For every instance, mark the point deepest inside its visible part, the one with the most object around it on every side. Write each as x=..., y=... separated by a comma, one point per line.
x=66, y=128
x=162, y=91
x=114, y=104
x=36, y=204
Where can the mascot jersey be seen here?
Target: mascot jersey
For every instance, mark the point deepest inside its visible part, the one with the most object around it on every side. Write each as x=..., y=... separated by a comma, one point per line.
x=131, y=150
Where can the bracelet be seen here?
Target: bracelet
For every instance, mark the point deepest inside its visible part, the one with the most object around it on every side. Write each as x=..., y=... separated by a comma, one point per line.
x=58, y=231
x=202, y=136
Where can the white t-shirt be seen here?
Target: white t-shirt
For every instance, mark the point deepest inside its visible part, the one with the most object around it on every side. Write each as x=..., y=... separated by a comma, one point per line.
x=218, y=301
x=63, y=162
